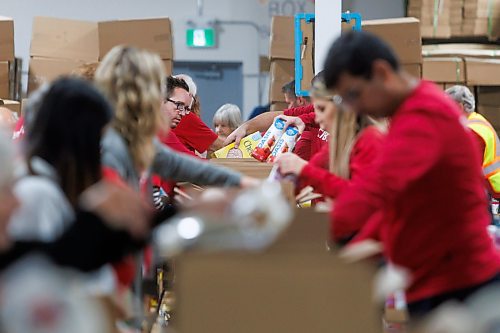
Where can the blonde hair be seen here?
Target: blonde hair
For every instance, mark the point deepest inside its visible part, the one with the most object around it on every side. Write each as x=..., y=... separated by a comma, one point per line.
x=345, y=130
x=87, y=70
x=132, y=79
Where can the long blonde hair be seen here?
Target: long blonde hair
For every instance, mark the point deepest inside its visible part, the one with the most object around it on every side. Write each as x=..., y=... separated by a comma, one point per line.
x=132, y=79
x=347, y=125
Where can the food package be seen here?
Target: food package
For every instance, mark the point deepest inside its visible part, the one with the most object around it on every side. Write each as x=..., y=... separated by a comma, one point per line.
x=286, y=143
x=244, y=150
x=269, y=140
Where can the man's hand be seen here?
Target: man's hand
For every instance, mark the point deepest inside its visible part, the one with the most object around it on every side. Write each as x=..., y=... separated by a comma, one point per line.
x=293, y=121
x=290, y=164
x=119, y=206
x=236, y=136
x=247, y=182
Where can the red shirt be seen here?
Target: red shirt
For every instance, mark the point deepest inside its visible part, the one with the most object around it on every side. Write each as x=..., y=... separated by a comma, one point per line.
x=429, y=187
x=194, y=134
x=364, y=152
x=313, y=138
x=171, y=140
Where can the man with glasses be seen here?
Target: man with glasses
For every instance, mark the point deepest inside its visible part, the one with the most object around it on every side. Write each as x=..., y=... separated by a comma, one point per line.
x=194, y=134
x=426, y=183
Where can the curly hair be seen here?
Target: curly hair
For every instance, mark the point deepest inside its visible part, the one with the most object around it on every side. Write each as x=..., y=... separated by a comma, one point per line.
x=132, y=79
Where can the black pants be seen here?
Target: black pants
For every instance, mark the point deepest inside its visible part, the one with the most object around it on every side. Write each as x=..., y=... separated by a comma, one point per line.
x=421, y=308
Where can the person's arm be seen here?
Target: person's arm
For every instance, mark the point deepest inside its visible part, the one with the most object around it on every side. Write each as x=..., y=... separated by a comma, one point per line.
x=172, y=166
x=411, y=149
x=216, y=145
x=260, y=123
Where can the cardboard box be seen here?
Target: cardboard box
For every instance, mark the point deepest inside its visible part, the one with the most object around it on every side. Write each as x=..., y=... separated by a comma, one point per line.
x=247, y=145
x=42, y=70
x=278, y=106
x=6, y=39
x=287, y=288
x=402, y=34
x=436, y=32
x=4, y=79
x=247, y=166
x=307, y=54
x=90, y=41
x=485, y=72
x=413, y=69
x=282, y=72
x=489, y=96
x=13, y=106
x=461, y=50
x=282, y=40
x=169, y=67
x=151, y=34
x=444, y=70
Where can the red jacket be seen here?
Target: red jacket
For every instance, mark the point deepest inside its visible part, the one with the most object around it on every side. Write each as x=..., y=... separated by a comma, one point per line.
x=313, y=138
x=363, y=154
x=429, y=187
x=194, y=133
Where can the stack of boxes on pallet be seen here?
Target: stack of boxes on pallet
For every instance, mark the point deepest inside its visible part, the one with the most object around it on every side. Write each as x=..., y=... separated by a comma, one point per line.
x=60, y=46
x=403, y=35
x=282, y=57
x=434, y=15
x=474, y=65
x=457, y=18
x=481, y=18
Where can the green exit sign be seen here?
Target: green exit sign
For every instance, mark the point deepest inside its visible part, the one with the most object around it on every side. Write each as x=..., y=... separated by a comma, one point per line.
x=200, y=37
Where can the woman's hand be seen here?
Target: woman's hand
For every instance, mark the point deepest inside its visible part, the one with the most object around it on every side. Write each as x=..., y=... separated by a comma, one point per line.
x=290, y=163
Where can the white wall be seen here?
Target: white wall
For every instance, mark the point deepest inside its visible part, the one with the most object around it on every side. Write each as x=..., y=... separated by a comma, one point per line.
x=236, y=43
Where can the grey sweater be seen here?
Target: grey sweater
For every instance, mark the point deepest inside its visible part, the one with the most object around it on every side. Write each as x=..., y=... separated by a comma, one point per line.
x=167, y=164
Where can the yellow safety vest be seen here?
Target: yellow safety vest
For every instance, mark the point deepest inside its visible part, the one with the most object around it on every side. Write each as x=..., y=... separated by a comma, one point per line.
x=491, y=158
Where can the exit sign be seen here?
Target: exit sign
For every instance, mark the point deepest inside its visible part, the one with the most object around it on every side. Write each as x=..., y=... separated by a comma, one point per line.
x=200, y=37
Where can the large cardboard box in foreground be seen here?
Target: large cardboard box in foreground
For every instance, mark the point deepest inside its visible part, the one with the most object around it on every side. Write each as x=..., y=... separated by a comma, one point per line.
x=90, y=41
x=294, y=286
x=282, y=41
x=402, y=34
x=6, y=39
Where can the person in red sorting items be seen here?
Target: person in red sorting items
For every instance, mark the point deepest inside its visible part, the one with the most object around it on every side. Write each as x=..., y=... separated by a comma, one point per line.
x=177, y=90
x=355, y=146
x=426, y=181
x=312, y=138
x=190, y=129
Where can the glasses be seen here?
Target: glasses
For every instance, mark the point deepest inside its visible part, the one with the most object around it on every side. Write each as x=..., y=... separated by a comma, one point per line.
x=181, y=107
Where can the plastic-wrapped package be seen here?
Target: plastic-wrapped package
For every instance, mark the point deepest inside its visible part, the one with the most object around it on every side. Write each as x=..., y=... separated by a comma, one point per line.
x=251, y=222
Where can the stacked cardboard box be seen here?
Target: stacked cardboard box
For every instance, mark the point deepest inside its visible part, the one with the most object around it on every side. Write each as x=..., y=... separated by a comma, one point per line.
x=457, y=18
x=282, y=57
x=434, y=16
x=403, y=35
x=470, y=64
x=6, y=56
x=481, y=18
x=60, y=46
